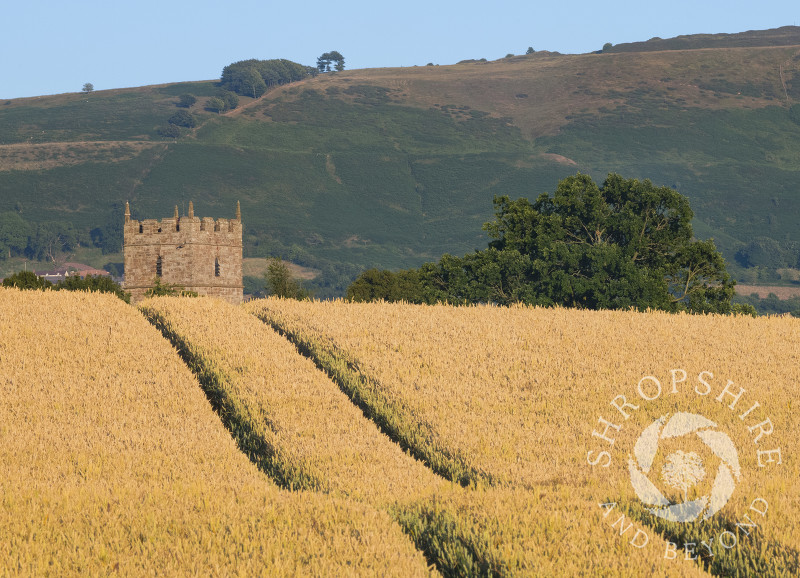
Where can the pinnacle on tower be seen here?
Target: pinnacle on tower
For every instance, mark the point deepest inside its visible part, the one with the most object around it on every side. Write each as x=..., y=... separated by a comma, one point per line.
x=191, y=210
x=127, y=212
x=176, y=212
x=238, y=211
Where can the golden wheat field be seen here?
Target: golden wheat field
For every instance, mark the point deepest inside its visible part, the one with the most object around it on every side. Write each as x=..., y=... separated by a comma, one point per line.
x=193, y=437
x=530, y=398
x=316, y=438
x=113, y=462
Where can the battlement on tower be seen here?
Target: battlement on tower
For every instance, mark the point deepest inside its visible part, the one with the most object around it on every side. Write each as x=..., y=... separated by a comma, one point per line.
x=185, y=226
x=201, y=254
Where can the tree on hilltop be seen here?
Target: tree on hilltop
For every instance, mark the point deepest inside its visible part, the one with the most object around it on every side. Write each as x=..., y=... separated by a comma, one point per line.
x=87, y=88
x=339, y=59
x=253, y=77
x=247, y=81
x=324, y=61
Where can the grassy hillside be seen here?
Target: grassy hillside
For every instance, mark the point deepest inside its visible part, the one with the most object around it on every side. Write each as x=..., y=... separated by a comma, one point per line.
x=392, y=167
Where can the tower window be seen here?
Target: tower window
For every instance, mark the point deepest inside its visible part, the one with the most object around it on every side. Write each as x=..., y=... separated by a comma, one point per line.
x=216, y=267
x=159, y=266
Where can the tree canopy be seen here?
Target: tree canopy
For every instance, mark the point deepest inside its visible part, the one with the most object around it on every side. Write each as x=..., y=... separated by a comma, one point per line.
x=26, y=280
x=43, y=241
x=224, y=100
x=216, y=104
x=182, y=118
x=92, y=283
x=51, y=238
x=626, y=244
x=14, y=231
x=253, y=77
x=186, y=100
x=324, y=61
x=281, y=283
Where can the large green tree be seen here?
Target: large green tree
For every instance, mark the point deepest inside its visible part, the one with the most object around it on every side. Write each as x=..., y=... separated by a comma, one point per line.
x=626, y=244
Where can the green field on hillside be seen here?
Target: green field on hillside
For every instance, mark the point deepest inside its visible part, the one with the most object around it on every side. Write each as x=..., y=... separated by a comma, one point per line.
x=393, y=167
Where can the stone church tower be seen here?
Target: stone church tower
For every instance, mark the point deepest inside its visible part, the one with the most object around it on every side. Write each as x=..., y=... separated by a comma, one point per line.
x=203, y=255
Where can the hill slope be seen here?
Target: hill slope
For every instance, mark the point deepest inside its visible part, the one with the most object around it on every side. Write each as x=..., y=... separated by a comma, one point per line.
x=392, y=167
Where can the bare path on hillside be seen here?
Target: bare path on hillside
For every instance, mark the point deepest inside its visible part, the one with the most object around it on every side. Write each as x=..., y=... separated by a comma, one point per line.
x=240, y=109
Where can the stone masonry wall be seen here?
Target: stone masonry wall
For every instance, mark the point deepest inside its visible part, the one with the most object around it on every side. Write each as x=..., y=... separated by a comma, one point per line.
x=203, y=255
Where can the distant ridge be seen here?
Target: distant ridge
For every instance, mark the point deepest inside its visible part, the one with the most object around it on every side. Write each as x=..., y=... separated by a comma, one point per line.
x=784, y=36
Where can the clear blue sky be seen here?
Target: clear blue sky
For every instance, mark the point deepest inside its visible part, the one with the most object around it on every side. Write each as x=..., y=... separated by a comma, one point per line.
x=55, y=46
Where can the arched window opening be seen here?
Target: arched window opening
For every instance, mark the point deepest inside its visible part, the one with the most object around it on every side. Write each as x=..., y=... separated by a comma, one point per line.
x=159, y=264
x=216, y=267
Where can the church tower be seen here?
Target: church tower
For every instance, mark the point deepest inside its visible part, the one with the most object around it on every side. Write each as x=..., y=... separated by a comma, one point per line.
x=203, y=255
